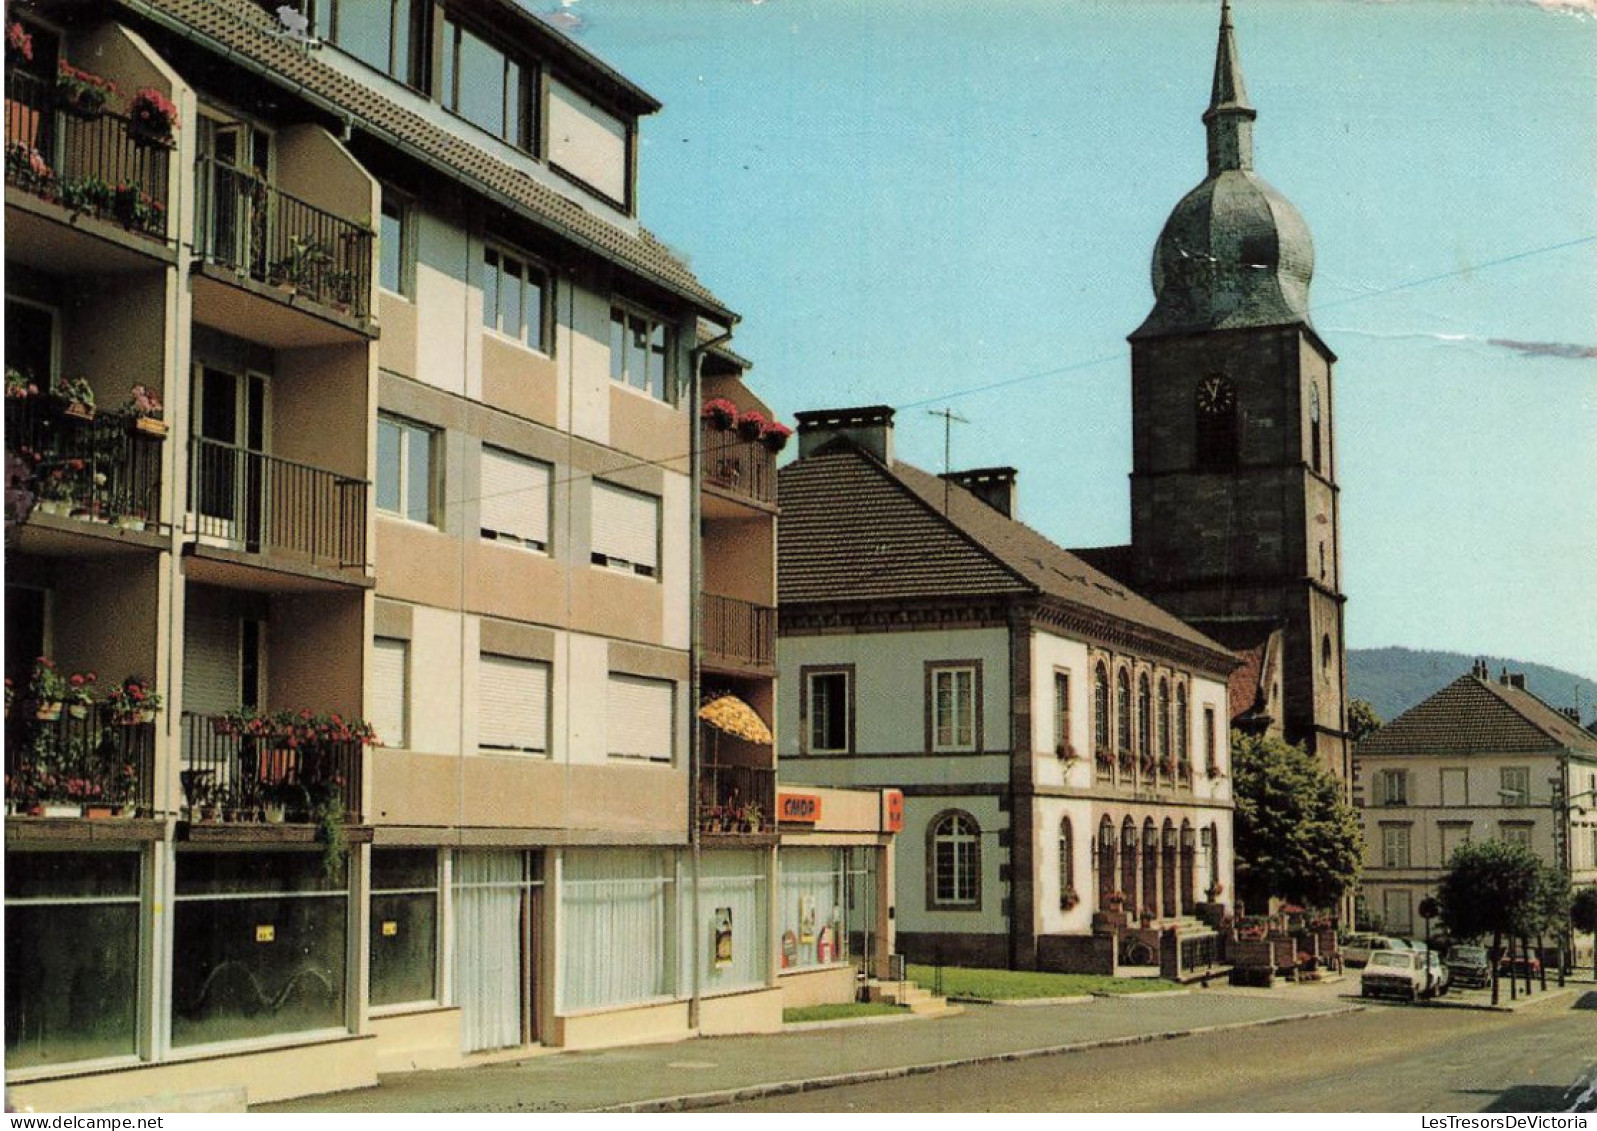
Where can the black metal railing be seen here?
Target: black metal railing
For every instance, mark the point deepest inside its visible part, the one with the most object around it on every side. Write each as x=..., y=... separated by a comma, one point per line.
x=740, y=631
x=743, y=467
x=247, y=224
x=737, y=799
x=89, y=162
x=96, y=758
x=229, y=774
x=1199, y=951
x=103, y=467
x=268, y=505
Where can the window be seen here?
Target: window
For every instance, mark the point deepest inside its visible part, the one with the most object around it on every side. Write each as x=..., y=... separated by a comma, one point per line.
x=30, y=341
x=1067, y=867
x=626, y=530
x=1515, y=785
x=1392, y=787
x=497, y=896
x=1100, y=707
x=513, y=705
x=829, y=708
x=1183, y=737
x=1398, y=910
x=952, y=708
x=1455, y=787
x=405, y=469
x=1394, y=846
x=588, y=143
x=404, y=926
x=1325, y=655
x=640, y=353
x=1144, y=718
x=1216, y=423
x=618, y=918
x=733, y=888
x=72, y=956
x=638, y=718
x=954, y=876
x=380, y=33
x=1061, y=713
x=1123, y=709
x=487, y=87
x=1211, y=753
x=515, y=298
x=1515, y=832
x=391, y=691
x=514, y=507
x=814, y=882
x=1164, y=720
x=1453, y=836
x=393, y=246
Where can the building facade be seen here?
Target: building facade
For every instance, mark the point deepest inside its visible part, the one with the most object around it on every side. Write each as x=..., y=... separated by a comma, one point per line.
x=1060, y=742
x=1481, y=759
x=411, y=555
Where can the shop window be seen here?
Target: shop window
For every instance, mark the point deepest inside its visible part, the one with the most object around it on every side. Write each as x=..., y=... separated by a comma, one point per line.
x=812, y=915
x=404, y=926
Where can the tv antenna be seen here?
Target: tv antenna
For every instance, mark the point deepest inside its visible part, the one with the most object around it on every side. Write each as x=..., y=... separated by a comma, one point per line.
x=949, y=418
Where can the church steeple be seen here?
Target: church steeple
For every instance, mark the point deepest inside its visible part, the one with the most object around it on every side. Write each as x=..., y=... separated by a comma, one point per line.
x=1229, y=118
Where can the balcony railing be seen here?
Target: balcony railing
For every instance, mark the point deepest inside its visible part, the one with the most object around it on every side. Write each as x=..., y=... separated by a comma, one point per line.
x=97, y=163
x=250, y=226
x=738, y=630
x=737, y=799
x=67, y=765
x=268, y=505
x=105, y=468
x=743, y=467
x=233, y=776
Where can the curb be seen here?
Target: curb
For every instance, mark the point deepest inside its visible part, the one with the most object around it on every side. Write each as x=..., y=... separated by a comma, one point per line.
x=698, y=1100
x=850, y=1022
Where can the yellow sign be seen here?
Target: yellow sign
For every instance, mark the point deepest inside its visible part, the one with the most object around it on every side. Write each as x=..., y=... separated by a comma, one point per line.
x=390, y=928
x=267, y=933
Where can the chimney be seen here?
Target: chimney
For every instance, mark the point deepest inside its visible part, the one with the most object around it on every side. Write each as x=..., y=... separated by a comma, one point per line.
x=870, y=427
x=1572, y=714
x=994, y=486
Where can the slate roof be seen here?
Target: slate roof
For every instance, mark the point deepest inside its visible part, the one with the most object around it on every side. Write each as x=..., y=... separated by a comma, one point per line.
x=855, y=530
x=1478, y=716
x=244, y=29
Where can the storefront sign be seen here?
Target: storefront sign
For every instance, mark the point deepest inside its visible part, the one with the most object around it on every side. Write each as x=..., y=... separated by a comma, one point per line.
x=267, y=933
x=893, y=810
x=804, y=808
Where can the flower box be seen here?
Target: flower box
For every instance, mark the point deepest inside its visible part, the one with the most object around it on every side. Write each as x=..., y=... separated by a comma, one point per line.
x=47, y=712
x=58, y=810
x=79, y=410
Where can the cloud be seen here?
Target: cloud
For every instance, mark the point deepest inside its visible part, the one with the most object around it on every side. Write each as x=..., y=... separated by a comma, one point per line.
x=564, y=16
x=1546, y=349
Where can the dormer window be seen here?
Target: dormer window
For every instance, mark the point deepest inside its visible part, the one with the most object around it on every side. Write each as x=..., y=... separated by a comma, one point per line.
x=384, y=34
x=487, y=86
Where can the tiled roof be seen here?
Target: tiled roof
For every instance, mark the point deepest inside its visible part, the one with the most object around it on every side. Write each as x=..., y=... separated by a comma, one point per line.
x=246, y=30
x=1478, y=716
x=855, y=530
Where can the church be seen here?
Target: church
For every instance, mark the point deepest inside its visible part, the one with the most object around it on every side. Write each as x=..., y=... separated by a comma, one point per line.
x=1058, y=720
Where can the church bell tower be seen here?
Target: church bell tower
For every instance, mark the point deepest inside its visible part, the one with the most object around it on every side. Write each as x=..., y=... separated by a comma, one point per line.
x=1234, y=500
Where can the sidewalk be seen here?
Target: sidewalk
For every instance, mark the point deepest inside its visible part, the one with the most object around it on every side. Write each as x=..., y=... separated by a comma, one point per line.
x=707, y=1071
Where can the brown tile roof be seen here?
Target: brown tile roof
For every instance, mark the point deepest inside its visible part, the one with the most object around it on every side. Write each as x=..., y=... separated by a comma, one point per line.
x=1478, y=716
x=855, y=530
x=246, y=30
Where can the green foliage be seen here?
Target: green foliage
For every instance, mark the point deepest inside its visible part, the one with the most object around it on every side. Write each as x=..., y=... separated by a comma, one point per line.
x=1583, y=910
x=1362, y=721
x=1297, y=837
x=1492, y=888
x=1008, y=985
x=843, y=1011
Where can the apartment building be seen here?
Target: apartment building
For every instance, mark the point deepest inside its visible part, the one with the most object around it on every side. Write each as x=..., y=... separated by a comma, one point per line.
x=1482, y=759
x=409, y=554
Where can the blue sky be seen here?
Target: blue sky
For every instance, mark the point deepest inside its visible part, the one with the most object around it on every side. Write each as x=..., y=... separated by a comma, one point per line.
x=937, y=204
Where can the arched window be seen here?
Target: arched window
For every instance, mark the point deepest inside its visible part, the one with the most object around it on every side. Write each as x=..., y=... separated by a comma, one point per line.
x=1168, y=870
x=1067, y=867
x=1217, y=423
x=1183, y=730
x=1314, y=424
x=1100, y=707
x=1325, y=654
x=1128, y=861
x=1164, y=721
x=953, y=877
x=1149, y=899
x=1123, y=709
x=1104, y=861
x=1189, y=882
x=1144, y=718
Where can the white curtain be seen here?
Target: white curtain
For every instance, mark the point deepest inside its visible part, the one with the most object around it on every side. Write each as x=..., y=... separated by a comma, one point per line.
x=488, y=940
x=812, y=898
x=735, y=882
x=616, y=927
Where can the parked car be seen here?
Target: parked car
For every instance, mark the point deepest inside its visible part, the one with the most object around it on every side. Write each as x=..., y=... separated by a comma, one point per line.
x=1441, y=977
x=1519, y=965
x=1470, y=966
x=1400, y=973
x=1357, y=949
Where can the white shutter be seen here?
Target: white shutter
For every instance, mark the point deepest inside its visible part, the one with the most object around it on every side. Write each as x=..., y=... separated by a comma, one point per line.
x=390, y=690
x=211, y=677
x=638, y=718
x=626, y=527
x=515, y=498
x=587, y=141
x=513, y=704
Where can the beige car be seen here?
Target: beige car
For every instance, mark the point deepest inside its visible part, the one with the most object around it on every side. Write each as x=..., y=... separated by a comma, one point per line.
x=1407, y=974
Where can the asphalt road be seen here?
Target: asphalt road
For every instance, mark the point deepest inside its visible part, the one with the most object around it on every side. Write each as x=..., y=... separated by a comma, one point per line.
x=1385, y=1058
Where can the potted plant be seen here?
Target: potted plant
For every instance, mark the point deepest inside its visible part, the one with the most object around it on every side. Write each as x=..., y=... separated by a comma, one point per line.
x=19, y=44
x=152, y=117
x=1215, y=891
x=750, y=425
x=751, y=815
x=302, y=267
x=133, y=701
x=47, y=688
x=1068, y=899
x=774, y=435
x=25, y=164
x=20, y=384
x=135, y=208
x=1215, y=772
x=81, y=92
x=80, y=693
x=145, y=406
x=76, y=396
x=1067, y=753
x=1167, y=767
x=1115, y=901
x=1104, y=758
x=720, y=412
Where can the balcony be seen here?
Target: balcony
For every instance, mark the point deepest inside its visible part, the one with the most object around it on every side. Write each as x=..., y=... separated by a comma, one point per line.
x=276, y=512
x=743, y=470
x=82, y=163
x=737, y=635
x=249, y=769
x=737, y=800
x=103, y=468
x=284, y=250
x=99, y=764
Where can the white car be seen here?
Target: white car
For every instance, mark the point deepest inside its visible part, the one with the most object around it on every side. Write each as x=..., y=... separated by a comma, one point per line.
x=1357, y=949
x=1407, y=974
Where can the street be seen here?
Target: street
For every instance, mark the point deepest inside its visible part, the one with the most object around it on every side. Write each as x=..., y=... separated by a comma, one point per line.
x=1384, y=1058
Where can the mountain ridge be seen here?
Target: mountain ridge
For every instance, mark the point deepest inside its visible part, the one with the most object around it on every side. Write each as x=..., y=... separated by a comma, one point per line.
x=1393, y=679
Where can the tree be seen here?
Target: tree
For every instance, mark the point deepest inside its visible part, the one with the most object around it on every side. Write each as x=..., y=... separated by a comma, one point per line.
x=1492, y=888
x=1362, y=721
x=1297, y=838
x=1583, y=917
x=1551, y=912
